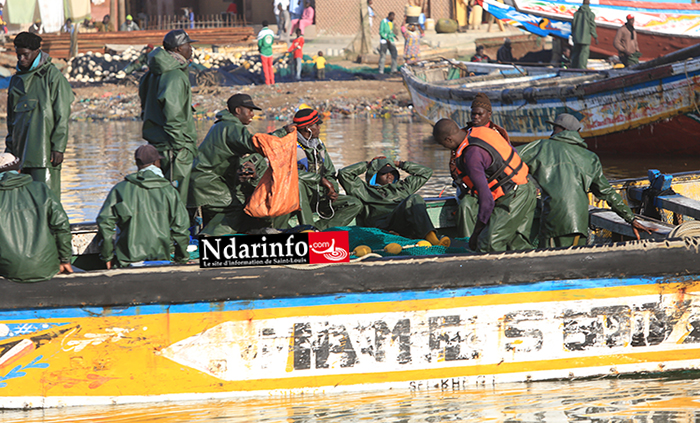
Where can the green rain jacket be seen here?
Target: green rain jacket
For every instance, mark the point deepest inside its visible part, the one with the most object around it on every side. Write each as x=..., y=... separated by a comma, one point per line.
x=38, y=111
x=380, y=200
x=150, y=216
x=166, y=103
x=583, y=25
x=566, y=171
x=214, y=179
x=36, y=233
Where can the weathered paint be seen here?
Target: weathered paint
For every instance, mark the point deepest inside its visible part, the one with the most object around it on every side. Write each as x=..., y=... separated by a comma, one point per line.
x=407, y=339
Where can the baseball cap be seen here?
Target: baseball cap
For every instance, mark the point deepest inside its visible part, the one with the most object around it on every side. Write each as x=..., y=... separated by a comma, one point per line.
x=387, y=168
x=146, y=154
x=176, y=38
x=566, y=121
x=238, y=100
x=630, y=16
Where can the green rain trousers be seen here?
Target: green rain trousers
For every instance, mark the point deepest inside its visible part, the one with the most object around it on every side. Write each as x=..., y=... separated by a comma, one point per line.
x=467, y=211
x=511, y=221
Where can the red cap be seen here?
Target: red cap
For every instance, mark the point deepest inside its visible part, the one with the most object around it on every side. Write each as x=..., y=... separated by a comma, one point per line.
x=149, y=46
x=630, y=17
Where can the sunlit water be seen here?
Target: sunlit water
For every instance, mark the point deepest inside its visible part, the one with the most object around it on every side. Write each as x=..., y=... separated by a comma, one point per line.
x=100, y=154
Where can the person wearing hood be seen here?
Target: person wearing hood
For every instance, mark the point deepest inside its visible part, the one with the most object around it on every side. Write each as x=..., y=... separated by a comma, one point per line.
x=626, y=43
x=505, y=52
x=318, y=184
x=390, y=203
x=582, y=29
x=38, y=111
x=266, y=37
x=226, y=171
x=152, y=220
x=566, y=172
x=35, y=244
x=129, y=24
x=140, y=62
x=166, y=105
x=489, y=167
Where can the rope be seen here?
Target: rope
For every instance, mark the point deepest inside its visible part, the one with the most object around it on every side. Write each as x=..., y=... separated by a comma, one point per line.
x=690, y=229
x=320, y=266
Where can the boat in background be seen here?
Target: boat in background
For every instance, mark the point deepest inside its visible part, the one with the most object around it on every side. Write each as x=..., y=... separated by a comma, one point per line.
x=652, y=109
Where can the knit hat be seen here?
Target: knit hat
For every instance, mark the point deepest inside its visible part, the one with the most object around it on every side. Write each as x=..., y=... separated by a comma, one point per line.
x=7, y=160
x=481, y=100
x=307, y=117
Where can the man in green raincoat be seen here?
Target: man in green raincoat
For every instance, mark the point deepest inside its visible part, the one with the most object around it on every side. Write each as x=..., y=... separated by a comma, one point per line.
x=166, y=104
x=566, y=171
x=389, y=203
x=35, y=242
x=38, y=111
x=226, y=171
x=582, y=29
x=318, y=186
x=151, y=218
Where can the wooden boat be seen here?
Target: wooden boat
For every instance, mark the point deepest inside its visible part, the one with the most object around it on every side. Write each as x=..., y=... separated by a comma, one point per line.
x=622, y=110
x=173, y=333
x=662, y=27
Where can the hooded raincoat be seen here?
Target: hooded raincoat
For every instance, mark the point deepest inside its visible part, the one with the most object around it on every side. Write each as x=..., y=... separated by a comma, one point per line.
x=150, y=217
x=583, y=27
x=168, y=123
x=566, y=171
x=35, y=236
x=394, y=206
x=38, y=111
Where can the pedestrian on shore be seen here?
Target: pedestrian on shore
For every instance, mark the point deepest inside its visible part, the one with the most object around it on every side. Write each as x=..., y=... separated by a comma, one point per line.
x=412, y=35
x=281, y=9
x=129, y=24
x=387, y=42
x=480, y=56
x=296, y=9
x=30, y=209
x=106, y=25
x=389, y=203
x=505, y=52
x=297, y=50
x=370, y=13
x=140, y=62
x=489, y=166
x=566, y=172
x=476, y=14
x=36, y=27
x=38, y=112
x=266, y=37
x=166, y=104
x=320, y=63
x=307, y=18
x=68, y=26
x=582, y=29
x=147, y=210
x=626, y=43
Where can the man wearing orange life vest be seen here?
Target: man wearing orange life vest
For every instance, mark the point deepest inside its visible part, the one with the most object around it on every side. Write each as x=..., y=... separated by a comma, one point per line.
x=488, y=165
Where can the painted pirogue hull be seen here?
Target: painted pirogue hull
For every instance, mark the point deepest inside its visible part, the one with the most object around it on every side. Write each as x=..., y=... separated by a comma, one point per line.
x=176, y=333
x=621, y=110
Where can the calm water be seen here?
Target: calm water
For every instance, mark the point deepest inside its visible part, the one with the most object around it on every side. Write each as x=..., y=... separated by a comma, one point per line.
x=100, y=154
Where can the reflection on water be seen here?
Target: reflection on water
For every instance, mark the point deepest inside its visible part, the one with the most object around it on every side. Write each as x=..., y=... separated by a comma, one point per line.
x=640, y=401
x=100, y=154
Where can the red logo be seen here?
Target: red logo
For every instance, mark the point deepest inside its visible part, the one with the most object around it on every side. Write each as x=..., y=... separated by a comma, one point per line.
x=329, y=247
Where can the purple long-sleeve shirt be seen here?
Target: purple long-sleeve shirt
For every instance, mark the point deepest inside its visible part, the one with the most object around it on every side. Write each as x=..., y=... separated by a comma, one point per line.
x=475, y=162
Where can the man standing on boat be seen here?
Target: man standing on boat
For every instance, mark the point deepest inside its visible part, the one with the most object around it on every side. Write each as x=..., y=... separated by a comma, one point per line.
x=387, y=40
x=35, y=243
x=226, y=171
x=567, y=171
x=582, y=29
x=38, y=111
x=149, y=214
x=489, y=166
x=166, y=104
x=626, y=43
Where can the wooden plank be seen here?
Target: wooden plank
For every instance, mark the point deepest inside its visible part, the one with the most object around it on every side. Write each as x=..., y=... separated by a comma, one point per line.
x=608, y=219
x=675, y=203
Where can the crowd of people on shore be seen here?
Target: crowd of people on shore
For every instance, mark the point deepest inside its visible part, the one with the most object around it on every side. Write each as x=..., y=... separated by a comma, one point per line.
x=148, y=216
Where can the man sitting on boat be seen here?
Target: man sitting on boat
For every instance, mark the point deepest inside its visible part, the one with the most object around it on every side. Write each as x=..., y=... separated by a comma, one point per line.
x=318, y=186
x=226, y=170
x=505, y=52
x=566, y=171
x=35, y=243
x=488, y=165
x=626, y=43
x=480, y=56
x=389, y=203
x=149, y=213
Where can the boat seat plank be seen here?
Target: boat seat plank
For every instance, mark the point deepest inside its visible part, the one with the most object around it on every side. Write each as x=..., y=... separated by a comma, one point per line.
x=608, y=219
x=676, y=203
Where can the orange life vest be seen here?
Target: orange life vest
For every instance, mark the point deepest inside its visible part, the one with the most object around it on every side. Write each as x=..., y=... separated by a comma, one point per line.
x=506, y=170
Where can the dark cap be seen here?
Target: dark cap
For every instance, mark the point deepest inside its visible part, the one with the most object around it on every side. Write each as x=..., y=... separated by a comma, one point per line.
x=307, y=117
x=241, y=100
x=566, y=121
x=176, y=38
x=387, y=168
x=146, y=154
